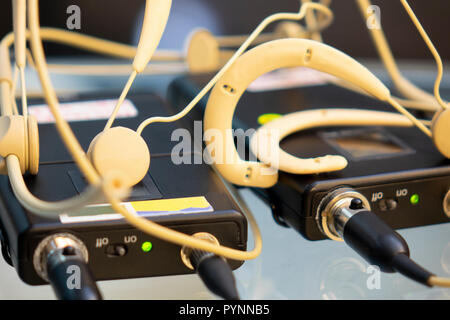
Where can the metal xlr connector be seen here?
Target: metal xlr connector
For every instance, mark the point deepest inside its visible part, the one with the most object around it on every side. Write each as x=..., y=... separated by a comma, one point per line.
x=335, y=210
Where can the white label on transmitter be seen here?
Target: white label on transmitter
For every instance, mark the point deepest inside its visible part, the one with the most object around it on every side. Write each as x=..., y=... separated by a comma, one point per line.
x=84, y=111
x=290, y=78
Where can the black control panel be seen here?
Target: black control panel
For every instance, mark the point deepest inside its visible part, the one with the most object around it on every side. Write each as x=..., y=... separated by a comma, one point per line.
x=409, y=199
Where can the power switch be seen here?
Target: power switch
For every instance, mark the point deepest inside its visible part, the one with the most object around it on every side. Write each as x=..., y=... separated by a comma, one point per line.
x=388, y=204
x=116, y=250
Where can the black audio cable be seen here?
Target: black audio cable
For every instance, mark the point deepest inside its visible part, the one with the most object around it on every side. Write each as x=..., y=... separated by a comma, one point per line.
x=62, y=260
x=380, y=245
x=70, y=276
x=214, y=270
x=215, y=273
x=344, y=214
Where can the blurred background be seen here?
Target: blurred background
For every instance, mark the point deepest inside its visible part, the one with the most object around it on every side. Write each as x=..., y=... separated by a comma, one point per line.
x=119, y=20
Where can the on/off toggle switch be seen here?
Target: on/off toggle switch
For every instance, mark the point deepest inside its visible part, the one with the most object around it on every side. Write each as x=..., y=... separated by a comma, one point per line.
x=116, y=250
x=388, y=204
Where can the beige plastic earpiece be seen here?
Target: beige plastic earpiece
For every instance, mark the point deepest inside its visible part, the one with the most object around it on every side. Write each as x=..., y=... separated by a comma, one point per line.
x=20, y=140
x=206, y=52
x=267, y=149
x=203, y=52
x=440, y=127
x=122, y=150
x=256, y=62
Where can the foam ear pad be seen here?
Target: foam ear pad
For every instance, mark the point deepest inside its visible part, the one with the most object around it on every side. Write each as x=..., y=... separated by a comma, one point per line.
x=20, y=140
x=203, y=52
x=120, y=150
x=440, y=128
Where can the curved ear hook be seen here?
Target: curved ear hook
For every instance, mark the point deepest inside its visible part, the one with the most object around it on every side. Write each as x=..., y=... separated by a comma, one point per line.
x=265, y=143
x=254, y=63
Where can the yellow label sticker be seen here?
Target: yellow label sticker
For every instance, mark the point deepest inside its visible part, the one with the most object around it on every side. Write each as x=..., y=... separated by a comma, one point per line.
x=181, y=205
x=146, y=208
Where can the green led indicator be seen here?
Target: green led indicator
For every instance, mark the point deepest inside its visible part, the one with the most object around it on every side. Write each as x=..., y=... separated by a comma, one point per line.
x=146, y=246
x=414, y=199
x=267, y=117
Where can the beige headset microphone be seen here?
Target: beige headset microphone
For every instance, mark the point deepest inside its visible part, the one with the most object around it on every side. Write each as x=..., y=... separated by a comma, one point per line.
x=416, y=98
x=157, y=12
x=300, y=52
x=19, y=135
x=281, y=54
x=113, y=181
x=122, y=149
x=403, y=85
x=15, y=141
x=206, y=52
x=107, y=186
x=115, y=177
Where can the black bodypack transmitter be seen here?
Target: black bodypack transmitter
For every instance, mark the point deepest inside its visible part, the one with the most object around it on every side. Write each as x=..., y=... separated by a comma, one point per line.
x=404, y=178
x=189, y=198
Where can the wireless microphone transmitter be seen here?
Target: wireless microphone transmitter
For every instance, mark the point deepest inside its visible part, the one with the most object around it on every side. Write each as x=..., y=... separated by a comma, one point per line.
x=189, y=198
x=404, y=179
